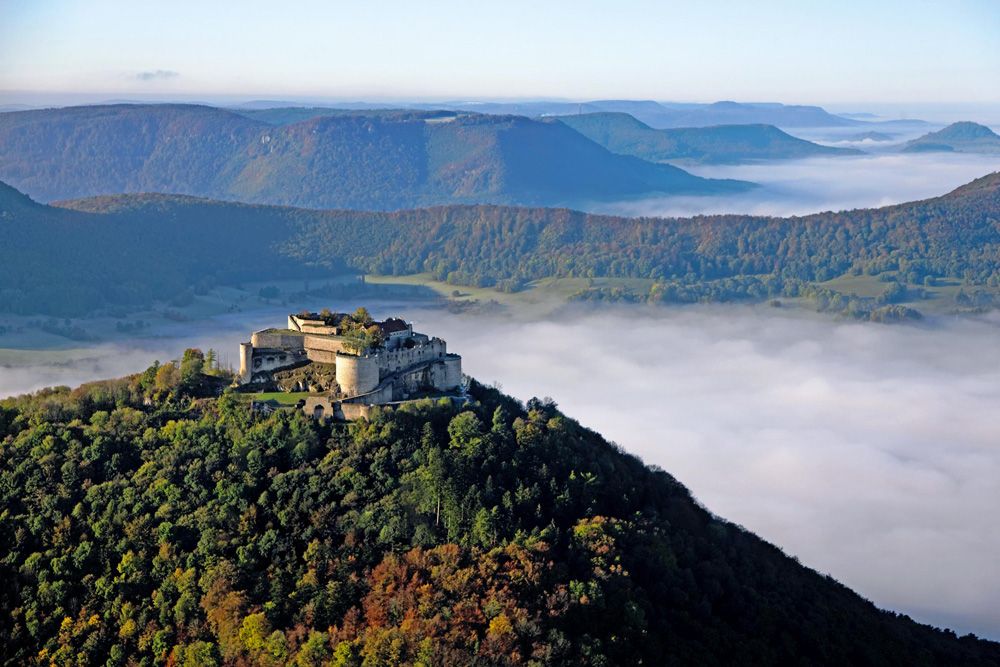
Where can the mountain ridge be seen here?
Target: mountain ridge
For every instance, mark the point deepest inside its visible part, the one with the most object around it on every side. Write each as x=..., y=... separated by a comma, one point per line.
x=361, y=160
x=721, y=144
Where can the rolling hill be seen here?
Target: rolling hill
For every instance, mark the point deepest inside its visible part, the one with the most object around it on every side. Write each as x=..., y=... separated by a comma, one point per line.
x=129, y=249
x=362, y=160
x=963, y=137
x=623, y=134
x=655, y=114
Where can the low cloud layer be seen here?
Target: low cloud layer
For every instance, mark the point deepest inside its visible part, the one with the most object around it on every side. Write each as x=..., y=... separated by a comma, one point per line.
x=870, y=452
x=801, y=187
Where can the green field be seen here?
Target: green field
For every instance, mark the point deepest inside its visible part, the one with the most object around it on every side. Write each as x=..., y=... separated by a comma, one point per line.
x=937, y=300
x=283, y=398
x=536, y=298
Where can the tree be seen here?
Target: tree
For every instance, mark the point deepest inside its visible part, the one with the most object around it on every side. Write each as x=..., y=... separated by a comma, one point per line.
x=356, y=341
x=192, y=365
x=168, y=377
x=376, y=339
x=362, y=316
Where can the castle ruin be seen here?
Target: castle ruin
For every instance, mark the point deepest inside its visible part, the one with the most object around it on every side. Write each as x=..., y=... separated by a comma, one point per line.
x=398, y=364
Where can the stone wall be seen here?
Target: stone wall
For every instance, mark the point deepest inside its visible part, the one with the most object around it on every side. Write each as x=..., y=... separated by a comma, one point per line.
x=321, y=407
x=451, y=376
x=323, y=349
x=357, y=375
x=275, y=338
x=319, y=328
x=271, y=359
x=392, y=361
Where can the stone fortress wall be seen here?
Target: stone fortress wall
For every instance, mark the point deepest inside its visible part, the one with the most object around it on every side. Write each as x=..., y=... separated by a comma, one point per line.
x=410, y=362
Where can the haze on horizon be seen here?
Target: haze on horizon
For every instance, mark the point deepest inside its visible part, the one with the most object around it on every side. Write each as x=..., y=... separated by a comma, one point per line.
x=833, y=53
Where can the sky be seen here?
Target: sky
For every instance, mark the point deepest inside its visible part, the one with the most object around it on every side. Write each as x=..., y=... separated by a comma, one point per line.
x=820, y=52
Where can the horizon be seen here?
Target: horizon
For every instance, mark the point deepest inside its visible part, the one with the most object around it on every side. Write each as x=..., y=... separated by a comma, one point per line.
x=944, y=53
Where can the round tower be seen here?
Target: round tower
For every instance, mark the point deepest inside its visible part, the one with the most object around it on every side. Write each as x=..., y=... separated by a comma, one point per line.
x=246, y=359
x=452, y=373
x=356, y=375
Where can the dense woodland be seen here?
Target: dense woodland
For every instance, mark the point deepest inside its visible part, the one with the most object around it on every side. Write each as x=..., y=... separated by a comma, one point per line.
x=365, y=160
x=144, y=526
x=131, y=249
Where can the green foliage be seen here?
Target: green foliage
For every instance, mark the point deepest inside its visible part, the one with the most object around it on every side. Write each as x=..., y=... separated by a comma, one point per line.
x=135, y=532
x=106, y=245
x=365, y=160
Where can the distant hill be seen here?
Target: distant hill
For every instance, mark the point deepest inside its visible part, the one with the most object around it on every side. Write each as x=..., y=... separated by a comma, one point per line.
x=621, y=133
x=72, y=258
x=868, y=136
x=963, y=137
x=362, y=160
x=734, y=113
x=291, y=115
x=666, y=114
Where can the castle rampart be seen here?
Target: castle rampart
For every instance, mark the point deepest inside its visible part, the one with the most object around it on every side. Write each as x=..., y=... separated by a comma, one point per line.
x=357, y=374
x=406, y=364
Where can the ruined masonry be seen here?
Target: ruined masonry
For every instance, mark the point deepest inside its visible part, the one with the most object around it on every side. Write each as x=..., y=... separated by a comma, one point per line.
x=407, y=363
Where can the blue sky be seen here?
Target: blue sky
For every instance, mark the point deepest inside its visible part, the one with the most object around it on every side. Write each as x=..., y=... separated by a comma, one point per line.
x=771, y=50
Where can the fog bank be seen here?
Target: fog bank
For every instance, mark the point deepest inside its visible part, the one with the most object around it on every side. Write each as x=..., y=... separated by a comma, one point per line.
x=801, y=187
x=871, y=452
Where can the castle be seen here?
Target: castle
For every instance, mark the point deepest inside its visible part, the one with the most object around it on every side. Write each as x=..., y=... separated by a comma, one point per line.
x=390, y=364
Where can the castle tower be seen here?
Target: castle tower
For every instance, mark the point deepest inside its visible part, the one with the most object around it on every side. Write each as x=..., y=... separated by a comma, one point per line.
x=246, y=361
x=356, y=375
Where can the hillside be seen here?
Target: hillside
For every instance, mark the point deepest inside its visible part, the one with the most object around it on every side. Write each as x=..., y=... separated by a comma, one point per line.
x=623, y=134
x=363, y=160
x=963, y=137
x=668, y=114
x=143, y=528
x=654, y=114
x=129, y=249
x=291, y=114
x=780, y=115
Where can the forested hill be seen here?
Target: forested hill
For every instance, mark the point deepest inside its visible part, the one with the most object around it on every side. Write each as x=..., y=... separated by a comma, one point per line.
x=141, y=528
x=621, y=133
x=964, y=137
x=129, y=249
x=363, y=160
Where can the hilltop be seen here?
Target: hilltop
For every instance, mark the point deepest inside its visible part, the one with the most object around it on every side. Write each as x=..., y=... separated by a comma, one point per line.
x=622, y=133
x=145, y=523
x=669, y=114
x=362, y=160
x=963, y=137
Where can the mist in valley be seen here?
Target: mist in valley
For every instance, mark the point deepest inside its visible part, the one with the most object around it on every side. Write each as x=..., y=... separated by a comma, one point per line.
x=812, y=185
x=870, y=452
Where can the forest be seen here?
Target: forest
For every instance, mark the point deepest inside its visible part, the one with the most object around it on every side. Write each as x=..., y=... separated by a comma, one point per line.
x=151, y=521
x=377, y=160
x=82, y=255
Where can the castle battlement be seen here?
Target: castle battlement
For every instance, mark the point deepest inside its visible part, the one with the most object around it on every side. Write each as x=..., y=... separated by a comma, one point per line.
x=395, y=363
